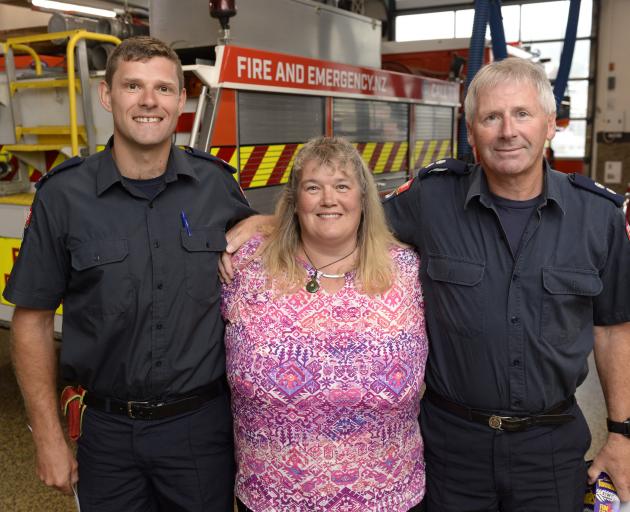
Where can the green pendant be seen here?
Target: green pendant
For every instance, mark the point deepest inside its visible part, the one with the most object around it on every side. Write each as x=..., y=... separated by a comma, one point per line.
x=312, y=286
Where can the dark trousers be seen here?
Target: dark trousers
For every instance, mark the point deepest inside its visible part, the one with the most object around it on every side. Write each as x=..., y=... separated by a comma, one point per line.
x=473, y=468
x=183, y=463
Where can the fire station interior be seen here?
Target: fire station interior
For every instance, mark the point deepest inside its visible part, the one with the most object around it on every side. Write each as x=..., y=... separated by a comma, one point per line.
x=45, y=117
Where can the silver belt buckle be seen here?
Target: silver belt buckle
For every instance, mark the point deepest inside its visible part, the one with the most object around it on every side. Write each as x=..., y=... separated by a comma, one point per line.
x=496, y=422
x=130, y=405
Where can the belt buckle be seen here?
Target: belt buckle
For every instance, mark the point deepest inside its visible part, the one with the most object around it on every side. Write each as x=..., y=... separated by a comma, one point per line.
x=130, y=406
x=496, y=422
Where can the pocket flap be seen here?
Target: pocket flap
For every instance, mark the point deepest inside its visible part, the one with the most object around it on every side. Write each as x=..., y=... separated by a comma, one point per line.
x=449, y=270
x=98, y=252
x=559, y=281
x=204, y=240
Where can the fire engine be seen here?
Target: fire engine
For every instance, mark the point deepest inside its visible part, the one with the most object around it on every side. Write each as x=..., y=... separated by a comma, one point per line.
x=252, y=105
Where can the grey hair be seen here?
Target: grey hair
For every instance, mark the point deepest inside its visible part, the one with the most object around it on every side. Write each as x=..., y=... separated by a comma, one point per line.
x=515, y=70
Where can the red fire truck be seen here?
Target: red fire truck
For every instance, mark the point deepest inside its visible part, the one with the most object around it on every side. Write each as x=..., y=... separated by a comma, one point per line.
x=251, y=107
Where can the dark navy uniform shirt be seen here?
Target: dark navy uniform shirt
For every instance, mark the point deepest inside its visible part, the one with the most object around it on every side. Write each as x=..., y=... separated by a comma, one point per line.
x=512, y=332
x=141, y=317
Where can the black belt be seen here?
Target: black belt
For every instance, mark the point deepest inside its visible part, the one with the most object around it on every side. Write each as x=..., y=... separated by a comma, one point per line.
x=155, y=409
x=552, y=416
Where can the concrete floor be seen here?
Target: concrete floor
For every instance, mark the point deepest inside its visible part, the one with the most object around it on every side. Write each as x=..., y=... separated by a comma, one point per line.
x=21, y=491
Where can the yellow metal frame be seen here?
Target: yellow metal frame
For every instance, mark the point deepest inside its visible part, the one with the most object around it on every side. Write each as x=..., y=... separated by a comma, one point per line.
x=74, y=36
x=81, y=34
x=48, y=131
x=41, y=84
x=27, y=49
x=25, y=148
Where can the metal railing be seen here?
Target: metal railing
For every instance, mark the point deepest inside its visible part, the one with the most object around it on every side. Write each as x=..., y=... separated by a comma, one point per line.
x=74, y=37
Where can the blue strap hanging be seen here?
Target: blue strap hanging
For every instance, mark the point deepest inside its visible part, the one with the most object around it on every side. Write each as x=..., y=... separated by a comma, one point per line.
x=499, y=46
x=485, y=11
x=475, y=60
x=566, y=57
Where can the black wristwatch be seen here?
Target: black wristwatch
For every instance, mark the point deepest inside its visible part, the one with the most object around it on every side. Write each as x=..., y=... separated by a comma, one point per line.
x=619, y=427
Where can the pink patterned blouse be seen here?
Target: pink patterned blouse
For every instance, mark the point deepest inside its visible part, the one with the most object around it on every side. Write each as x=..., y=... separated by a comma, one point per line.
x=325, y=392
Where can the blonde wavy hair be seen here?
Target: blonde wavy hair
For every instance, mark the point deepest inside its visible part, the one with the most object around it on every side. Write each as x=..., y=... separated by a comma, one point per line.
x=375, y=267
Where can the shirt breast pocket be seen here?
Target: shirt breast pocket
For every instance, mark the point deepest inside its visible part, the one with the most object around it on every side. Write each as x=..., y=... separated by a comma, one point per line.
x=101, y=276
x=567, y=305
x=203, y=248
x=459, y=301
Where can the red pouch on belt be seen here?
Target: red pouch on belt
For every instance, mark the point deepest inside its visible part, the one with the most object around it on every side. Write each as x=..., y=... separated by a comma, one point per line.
x=72, y=407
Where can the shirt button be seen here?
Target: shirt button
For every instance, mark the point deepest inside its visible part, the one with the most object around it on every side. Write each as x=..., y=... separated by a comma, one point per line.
x=160, y=286
x=156, y=244
x=516, y=362
x=514, y=319
x=515, y=277
x=158, y=364
x=516, y=403
x=158, y=326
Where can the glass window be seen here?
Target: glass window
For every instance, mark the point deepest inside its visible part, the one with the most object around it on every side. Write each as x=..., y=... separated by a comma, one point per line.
x=578, y=91
x=420, y=27
x=570, y=142
x=586, y=18
x=464, y=23
x=511, y=22
x=541, y=20
x=552, y=51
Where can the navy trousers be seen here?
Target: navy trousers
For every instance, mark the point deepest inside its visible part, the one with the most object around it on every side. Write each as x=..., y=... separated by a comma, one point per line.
x=473, y=468
x=183, y=463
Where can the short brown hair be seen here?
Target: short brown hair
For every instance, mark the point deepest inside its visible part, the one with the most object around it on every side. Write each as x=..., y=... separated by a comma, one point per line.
x=141, y=48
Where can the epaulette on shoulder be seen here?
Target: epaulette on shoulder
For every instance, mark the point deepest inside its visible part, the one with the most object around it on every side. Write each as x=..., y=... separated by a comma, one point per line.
x=447, y=166
x=581, y=181
x=67, y=164
x=197, y=153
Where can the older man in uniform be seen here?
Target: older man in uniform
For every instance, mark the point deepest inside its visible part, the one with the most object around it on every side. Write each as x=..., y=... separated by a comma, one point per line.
x=519, y=263
x=129, y=240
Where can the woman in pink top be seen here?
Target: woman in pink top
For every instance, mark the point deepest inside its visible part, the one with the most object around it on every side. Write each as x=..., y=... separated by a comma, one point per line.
x=326, y=349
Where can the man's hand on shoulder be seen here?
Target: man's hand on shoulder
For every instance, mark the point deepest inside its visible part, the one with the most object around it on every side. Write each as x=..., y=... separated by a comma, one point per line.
x=614, y=459
x=236, y=237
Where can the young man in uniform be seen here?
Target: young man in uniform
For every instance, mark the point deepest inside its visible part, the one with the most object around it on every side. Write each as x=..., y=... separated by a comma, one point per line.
x=129, y=240
x=525, y=271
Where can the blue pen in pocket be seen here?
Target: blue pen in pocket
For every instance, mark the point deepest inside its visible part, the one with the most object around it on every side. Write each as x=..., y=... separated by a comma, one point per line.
x=185, y=224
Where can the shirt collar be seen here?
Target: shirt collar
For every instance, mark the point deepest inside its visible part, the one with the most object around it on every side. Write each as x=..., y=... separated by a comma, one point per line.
x=108, y=173
x=477, y=185
x=551, y=189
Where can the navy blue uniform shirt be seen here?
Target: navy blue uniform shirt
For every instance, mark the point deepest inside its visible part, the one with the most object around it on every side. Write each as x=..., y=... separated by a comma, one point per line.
x=512, y=332
x=141, y=294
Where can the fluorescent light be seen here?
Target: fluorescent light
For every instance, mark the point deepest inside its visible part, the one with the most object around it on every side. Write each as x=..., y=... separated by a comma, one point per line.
x=63, y=6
